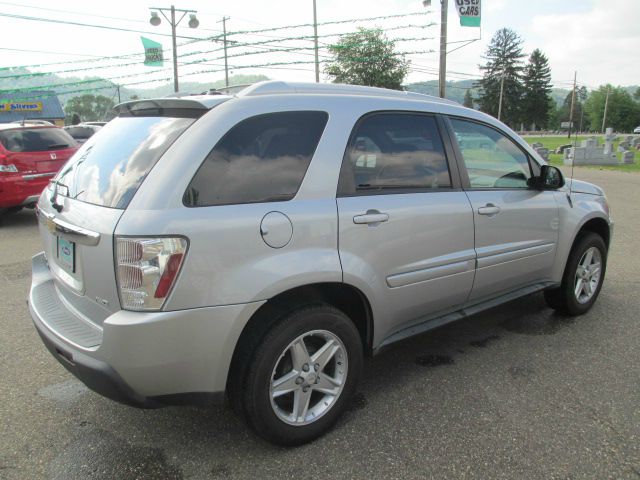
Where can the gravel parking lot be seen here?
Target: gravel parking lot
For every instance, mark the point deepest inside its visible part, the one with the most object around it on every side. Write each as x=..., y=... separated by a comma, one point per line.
x=516, y=392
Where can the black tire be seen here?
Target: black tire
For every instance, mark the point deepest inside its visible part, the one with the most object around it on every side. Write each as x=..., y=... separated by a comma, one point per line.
x=563, y=299
x=255, y=391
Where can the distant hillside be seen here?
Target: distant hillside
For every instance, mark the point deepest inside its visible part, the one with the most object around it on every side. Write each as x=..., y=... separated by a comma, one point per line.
x=104, y=87
x=455, y=90
x=193, y=87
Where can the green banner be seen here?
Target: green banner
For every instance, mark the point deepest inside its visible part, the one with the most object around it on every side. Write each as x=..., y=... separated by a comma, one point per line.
x=152, y=53
x=469, y=12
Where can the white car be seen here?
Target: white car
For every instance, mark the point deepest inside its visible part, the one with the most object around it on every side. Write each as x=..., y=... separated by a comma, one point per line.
x=636, y=130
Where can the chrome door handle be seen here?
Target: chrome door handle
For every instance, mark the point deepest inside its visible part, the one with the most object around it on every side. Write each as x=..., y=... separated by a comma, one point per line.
x=371, y=217
x=489, y=209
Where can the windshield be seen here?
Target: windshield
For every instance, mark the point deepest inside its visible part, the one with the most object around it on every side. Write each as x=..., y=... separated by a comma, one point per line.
x=36, y=140
x=110, y=167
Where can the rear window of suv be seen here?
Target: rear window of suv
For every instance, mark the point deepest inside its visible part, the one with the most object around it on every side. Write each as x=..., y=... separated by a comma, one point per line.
x=36, y=139
x=108, y=172
x=261, y=159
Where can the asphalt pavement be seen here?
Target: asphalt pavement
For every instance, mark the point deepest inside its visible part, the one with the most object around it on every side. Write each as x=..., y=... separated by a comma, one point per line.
x=515, y=392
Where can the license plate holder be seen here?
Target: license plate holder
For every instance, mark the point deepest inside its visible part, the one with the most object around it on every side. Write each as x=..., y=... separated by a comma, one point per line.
x=66, y=254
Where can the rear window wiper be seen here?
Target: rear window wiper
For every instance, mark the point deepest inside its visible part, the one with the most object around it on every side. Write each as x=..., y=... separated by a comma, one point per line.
x=58, y=207
x=56, y=146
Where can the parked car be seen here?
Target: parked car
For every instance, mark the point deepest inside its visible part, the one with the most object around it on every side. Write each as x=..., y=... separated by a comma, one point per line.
x=260, y=245
x=636, y=130
x=33, y=122
x=82, y=132
x=30, y=156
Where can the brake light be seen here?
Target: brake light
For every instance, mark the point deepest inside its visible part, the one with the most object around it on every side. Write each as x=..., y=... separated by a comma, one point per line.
x=4, y=167
x=146, y=270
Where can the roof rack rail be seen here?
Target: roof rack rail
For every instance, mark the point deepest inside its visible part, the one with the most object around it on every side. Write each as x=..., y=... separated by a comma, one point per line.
x=276, y=87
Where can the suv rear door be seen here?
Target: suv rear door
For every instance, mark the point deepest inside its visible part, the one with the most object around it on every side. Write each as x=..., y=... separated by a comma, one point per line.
x=516, y=227
x=405, y=226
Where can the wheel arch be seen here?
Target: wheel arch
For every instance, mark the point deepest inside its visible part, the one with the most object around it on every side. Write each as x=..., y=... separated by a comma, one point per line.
x=597, y=225
x=345, y=297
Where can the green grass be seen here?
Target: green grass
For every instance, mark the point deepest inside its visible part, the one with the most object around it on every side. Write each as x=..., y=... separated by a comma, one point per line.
x=553, y=142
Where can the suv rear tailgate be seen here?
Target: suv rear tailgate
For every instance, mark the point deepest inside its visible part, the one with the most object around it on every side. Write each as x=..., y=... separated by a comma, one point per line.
x=78, y=244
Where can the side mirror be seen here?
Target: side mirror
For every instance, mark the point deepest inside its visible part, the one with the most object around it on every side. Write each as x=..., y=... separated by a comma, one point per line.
x=550, y=178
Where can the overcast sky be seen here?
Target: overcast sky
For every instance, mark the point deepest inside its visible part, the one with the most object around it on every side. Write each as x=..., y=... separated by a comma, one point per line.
x=598, y=38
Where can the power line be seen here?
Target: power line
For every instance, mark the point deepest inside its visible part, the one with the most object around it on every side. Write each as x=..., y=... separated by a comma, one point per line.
x=86, y=14
x=79, y=24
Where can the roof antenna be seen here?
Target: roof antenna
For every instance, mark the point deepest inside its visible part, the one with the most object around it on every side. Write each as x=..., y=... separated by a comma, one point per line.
x=575, y=137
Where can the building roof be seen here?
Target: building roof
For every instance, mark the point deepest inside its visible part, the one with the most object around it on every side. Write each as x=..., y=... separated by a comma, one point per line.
x=51, y=107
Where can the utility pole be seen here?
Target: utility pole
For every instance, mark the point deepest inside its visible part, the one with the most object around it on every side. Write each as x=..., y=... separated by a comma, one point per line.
x=155, y=21
x=501, y=93
x=224, y=39
x=573, y=101
x=443, y=49
x=315, y=41
x=606, y=105
x=174, y=48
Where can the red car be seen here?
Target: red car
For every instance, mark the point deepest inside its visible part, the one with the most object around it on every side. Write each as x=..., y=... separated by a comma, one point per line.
x=29, y=157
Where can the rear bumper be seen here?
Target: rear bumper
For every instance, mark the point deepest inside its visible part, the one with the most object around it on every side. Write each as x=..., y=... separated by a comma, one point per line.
x=141, y=359
x=19, y=190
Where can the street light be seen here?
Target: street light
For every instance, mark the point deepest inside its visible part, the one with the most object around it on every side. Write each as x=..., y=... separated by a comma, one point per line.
x=155, y=21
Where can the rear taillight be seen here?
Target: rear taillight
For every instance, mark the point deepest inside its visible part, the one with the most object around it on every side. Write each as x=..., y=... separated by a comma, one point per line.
x=7, y=167
x=147, y=269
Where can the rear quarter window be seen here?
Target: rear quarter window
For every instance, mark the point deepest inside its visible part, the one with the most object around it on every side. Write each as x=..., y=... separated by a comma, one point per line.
x=261, y=159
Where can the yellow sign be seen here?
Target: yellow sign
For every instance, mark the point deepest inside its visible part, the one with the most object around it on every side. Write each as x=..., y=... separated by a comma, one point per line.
x=21, y=107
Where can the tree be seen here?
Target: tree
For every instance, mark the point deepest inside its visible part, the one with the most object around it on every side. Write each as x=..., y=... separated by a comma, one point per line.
x=89, y=108
x=504, y=63
x=367, y=57
x=537, y=91
x=468, y=99
x=623, y=114
x=564, y=111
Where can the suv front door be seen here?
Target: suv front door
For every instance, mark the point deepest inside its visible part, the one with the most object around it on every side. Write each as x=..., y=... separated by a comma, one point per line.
x=405, y=226
x=516, y=227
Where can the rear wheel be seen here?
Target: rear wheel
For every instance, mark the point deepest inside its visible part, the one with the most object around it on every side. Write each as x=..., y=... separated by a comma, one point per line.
x=302, y=375
x=583, y=277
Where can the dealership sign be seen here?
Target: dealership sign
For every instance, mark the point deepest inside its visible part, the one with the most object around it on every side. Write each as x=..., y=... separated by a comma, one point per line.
x=152, y=53
x=21, y=107
x=469, y=12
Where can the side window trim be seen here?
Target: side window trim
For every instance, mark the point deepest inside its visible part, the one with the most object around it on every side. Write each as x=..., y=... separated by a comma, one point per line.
x=459, y=159
x=454, y=174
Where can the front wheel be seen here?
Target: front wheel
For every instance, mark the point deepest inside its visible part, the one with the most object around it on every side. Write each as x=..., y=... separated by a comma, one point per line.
x=303, y=375
x=583, y=277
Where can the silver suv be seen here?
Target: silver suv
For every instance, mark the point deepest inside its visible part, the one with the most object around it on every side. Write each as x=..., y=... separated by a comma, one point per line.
x=259, y=245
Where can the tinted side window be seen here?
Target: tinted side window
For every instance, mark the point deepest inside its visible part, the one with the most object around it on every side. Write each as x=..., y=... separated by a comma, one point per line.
x=261, y=159
x=394, y=151
x=492, y=159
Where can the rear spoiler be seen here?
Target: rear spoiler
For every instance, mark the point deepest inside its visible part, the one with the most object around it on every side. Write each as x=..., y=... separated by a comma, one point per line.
x=193, y=107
